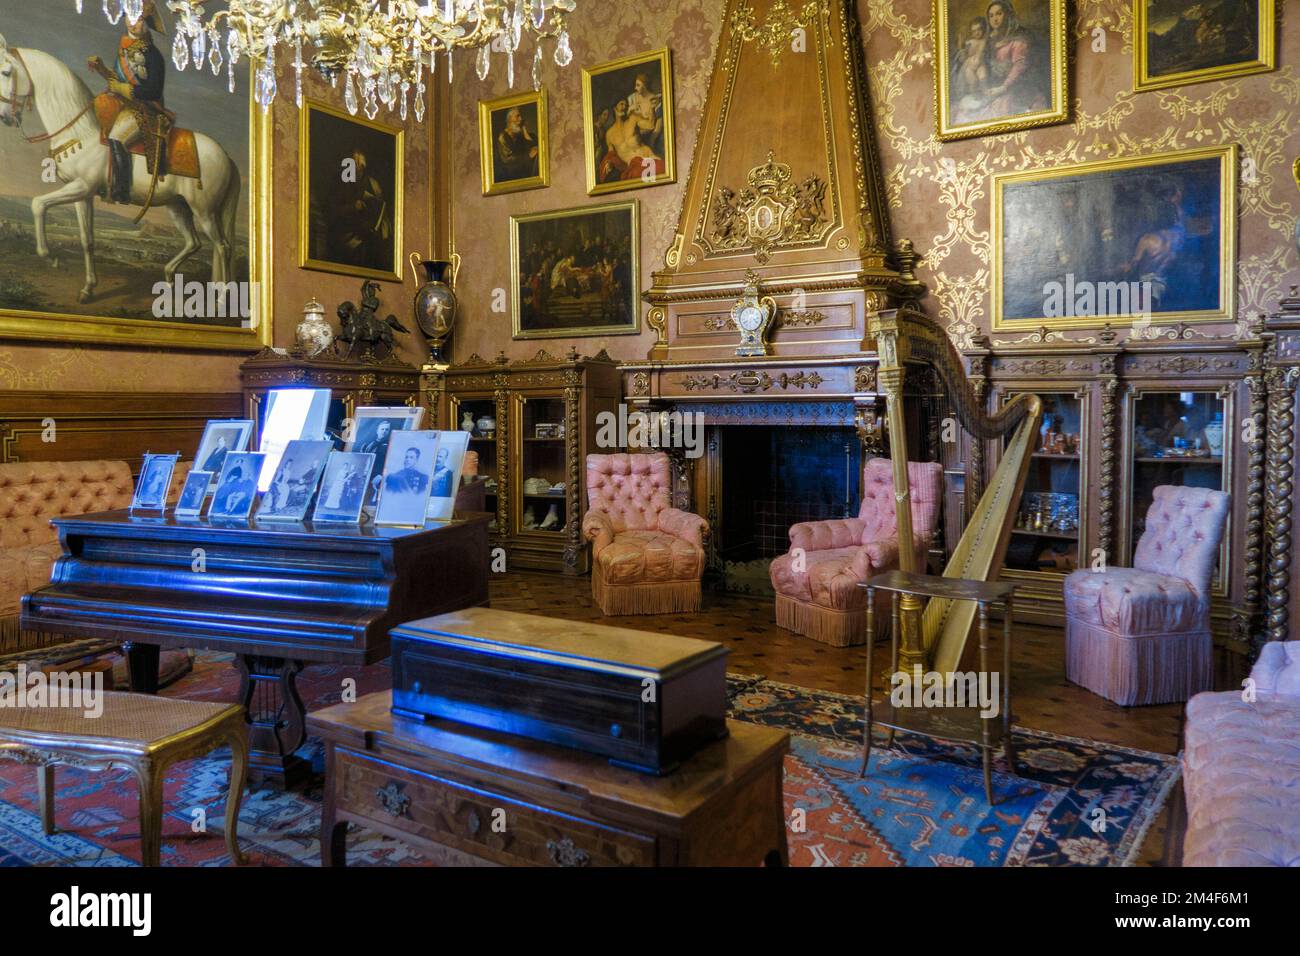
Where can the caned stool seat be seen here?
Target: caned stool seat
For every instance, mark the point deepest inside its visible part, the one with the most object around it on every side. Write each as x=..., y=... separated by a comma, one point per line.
x=136, y=732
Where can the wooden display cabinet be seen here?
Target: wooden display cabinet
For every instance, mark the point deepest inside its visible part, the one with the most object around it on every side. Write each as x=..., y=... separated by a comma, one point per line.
x=1170, y=410
x=540, y=528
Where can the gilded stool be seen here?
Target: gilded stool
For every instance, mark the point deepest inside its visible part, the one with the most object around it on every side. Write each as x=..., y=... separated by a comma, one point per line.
x=136, y=732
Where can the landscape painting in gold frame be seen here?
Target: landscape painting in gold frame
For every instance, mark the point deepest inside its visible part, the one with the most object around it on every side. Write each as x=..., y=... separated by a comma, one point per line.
x=1177, y=42
x=627, y=122
x=1000, y=66
x=576, y=271
x=111, y=275
x=514, y=154
x=1117, y=241
x=350, y=172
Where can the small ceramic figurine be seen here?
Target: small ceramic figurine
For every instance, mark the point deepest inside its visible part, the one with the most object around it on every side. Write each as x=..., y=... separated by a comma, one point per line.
x=467, y=422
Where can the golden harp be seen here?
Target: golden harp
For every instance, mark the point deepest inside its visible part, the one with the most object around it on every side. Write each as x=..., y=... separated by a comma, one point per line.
x=936, y=639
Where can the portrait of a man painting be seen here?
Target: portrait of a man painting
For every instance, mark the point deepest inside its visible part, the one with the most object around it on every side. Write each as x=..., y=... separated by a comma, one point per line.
x=1190, y=42
x=575, y=271
x=350, y=193
x=1116, y=240
x=628, y=123
x=1000, y=65
x=120, y=177
x=513, y=143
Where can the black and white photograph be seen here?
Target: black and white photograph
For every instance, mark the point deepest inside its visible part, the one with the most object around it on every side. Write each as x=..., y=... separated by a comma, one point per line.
x=237, y=487
x=372, y=428
x=155, y=479
x=220, y=438
x=290, y=493
x=343, y=488
x=448, y=462
x=190, y=503
x=407, y=478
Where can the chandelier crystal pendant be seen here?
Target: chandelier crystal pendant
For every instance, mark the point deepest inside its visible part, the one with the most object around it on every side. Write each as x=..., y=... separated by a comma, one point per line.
x=379, y=48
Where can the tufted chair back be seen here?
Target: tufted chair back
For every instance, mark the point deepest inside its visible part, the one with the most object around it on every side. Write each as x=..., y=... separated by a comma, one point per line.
x=878, y=515
x=31, y=493
x=631, y=489
x=1183, y=531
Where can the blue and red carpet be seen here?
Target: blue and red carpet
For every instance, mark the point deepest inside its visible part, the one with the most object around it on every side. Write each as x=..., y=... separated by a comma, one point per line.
x=1074, y=803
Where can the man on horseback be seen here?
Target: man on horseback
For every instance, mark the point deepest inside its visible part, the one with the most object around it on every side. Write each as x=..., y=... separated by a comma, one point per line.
x=137, y=82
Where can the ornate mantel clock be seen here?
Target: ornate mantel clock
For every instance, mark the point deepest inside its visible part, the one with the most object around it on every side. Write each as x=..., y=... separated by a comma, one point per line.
x=753, y=317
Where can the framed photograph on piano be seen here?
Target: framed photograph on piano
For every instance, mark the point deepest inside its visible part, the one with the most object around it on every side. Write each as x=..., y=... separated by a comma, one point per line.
x=155, y=479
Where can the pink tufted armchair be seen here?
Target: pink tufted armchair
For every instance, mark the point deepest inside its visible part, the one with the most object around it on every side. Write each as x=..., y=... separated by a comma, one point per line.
x=30, y=495
x=1141, y=635
x=816, y=581
x=647, y=556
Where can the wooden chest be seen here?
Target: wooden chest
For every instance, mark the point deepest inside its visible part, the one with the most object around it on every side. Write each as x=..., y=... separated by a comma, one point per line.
x=646, y=701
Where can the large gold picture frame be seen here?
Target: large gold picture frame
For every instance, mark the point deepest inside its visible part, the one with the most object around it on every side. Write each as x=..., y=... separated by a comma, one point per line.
x=602, y=88
x=1169, y=194
x=581, y=290
x=488, y=119
x=307, y=154
x=1263, y=61
x=968, y=116
x=253, y=334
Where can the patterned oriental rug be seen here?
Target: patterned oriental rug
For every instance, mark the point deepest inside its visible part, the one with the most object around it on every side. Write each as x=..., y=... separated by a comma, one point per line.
x=1076, y=803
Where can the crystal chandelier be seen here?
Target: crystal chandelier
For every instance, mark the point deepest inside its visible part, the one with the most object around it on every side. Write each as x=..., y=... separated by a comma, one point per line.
x=379, y=49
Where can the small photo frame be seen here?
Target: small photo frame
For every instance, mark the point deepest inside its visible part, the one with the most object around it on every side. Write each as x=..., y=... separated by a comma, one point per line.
x=194, y=491
x=448, y=463
x=220, y=438
x=407, y=478
x=290, y=493
x=372, y=428
x=513, y=150
x=237, y=487
x=343, y=487
x=155, y=480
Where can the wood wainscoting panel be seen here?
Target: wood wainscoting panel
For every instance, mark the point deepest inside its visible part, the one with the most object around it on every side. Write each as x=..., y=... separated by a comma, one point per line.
x=89, y=426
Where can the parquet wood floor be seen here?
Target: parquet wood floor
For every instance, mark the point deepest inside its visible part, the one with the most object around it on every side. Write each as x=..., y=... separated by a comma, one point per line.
x=1042, y=699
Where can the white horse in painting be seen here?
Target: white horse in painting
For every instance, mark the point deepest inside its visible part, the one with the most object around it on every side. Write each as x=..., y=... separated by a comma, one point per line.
x=33, y=79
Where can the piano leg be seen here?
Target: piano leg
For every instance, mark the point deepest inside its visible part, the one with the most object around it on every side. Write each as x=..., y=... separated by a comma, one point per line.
x=277, y=720
x=142, y=666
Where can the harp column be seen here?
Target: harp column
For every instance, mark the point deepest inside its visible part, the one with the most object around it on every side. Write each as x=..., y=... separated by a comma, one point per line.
x=911, y=644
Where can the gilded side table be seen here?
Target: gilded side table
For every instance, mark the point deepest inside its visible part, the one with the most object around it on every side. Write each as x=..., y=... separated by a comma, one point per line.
x=135, y=732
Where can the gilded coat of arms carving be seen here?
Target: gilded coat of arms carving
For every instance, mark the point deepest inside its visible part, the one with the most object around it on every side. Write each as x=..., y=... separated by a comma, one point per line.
x=771, y=211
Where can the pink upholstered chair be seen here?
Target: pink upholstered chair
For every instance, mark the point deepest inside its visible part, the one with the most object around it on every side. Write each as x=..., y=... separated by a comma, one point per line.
x=647, y=556
x=816, y=581
x=1141, y=635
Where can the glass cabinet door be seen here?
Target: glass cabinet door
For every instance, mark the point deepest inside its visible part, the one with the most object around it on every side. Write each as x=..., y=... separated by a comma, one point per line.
x=1178, y=438
x=541, y=499
x=478, y=417
x=1047, y=534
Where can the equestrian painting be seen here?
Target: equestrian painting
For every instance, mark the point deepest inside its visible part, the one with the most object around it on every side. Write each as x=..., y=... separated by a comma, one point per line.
x=117, y=172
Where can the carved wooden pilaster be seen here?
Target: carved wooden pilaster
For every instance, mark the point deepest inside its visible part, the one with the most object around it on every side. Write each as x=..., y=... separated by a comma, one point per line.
x=1254, y=438
x=1280, y=487
x=1107, y=460
x=502, y=395
x=975, y=473
x=573, y=484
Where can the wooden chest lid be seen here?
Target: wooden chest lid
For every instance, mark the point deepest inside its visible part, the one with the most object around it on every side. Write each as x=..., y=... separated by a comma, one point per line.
x=564, y=643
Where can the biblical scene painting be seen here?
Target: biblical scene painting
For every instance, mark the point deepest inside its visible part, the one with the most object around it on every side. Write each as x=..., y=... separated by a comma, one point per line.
x=628, y=122
x=513, y=148
x=999, y=65
x=140, y=174
x=575, y=271
x=350, y=194
x=1116, y=241
x=1184, y=42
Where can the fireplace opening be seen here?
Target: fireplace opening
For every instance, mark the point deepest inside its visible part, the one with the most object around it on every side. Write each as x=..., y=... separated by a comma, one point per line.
x=774, y=477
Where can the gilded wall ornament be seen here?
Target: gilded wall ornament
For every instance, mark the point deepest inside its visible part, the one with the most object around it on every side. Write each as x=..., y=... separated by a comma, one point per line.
x=771, y=212
x=774, y=33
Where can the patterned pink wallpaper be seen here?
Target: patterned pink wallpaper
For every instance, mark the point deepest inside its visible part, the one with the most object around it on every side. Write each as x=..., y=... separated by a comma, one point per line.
x=939, y=193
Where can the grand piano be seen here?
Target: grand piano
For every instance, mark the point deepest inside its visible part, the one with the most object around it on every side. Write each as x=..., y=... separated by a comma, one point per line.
x=278, y=596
